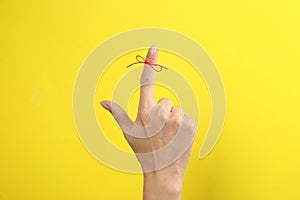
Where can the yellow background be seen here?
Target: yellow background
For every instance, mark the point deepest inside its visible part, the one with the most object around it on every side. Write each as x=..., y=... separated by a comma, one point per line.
x=255, y=45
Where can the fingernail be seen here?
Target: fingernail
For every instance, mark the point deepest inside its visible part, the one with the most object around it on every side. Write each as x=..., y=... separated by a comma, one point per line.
x=105, y=104
x=153, y=49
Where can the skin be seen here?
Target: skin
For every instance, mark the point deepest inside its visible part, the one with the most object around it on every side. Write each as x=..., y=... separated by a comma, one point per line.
x=165, y=183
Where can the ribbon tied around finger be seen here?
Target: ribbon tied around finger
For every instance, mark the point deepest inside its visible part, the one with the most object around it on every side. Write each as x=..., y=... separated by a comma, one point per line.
x=156, y=67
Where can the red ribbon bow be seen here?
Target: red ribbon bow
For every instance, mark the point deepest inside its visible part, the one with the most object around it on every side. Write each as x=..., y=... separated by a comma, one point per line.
x=154, y=66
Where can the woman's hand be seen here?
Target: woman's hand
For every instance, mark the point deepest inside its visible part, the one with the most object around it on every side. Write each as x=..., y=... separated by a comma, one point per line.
x=161, y=137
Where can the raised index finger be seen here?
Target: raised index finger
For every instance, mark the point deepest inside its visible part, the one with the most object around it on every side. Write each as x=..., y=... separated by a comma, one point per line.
x=148, y=79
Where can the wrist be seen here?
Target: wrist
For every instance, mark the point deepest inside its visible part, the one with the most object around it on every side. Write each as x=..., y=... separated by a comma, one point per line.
x=162, y=185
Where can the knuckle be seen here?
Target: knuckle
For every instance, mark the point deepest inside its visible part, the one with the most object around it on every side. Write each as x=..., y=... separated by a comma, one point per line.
x=179, y=110
x=165, y=100
x=117, y=117
x=146, y=80
x=163, y=116
x=176, y=121
x=190, y=124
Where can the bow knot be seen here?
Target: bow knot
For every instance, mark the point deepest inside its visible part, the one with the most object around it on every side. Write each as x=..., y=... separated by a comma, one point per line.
x=154, y=66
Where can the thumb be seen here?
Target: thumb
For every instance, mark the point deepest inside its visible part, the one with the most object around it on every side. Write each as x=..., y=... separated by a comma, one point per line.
x=119, y=114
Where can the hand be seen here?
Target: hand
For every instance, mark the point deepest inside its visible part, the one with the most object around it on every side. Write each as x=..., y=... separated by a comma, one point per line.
x=161, y=137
